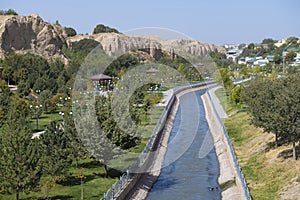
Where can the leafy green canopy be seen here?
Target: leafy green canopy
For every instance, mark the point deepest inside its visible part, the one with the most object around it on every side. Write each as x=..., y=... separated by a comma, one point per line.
x=100, y=28
x=275, y=107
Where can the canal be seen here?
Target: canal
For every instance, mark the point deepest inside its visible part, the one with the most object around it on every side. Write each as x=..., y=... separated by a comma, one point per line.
x=191, y=167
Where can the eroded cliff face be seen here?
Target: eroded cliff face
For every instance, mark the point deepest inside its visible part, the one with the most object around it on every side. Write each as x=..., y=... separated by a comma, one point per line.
x=116, y=44
x=30, y=34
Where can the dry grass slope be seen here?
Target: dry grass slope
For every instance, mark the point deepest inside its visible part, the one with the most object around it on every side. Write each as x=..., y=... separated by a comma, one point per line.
x=271, y=173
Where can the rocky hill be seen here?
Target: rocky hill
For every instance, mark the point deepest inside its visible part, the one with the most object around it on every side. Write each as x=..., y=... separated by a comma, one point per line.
x=114, y=43
x=30, y=34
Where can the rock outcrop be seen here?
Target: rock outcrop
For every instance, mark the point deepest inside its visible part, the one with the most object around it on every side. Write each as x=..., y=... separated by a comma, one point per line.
x=116, y=44
x=30, y=34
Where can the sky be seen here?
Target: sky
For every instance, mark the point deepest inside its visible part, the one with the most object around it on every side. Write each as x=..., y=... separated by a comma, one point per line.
x=211, y=21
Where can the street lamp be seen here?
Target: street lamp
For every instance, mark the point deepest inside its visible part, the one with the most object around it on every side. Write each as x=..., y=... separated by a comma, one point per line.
x=37, y=108
x=62, y=114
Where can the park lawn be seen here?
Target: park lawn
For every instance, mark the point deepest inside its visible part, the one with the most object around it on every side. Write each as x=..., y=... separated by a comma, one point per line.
x=94, y=184
x=146, y=129
x=44, y=120
x=267, y=169
x=228, y=106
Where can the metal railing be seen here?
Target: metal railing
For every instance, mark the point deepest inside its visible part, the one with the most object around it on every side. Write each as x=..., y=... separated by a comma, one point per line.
x=238, y=168
x=117, y=187
x=126, y=178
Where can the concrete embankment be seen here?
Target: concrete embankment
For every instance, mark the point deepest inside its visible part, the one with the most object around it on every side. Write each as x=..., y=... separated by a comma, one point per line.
x=141, y=184
x=145, y=181
x=228, y=171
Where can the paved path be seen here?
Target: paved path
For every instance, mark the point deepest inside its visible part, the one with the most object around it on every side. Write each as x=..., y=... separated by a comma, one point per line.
x=220, y=110
x=227, y=167
x=166, y=97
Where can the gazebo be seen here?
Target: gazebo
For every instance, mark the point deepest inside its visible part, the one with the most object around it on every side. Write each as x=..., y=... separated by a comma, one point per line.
x=101, y=81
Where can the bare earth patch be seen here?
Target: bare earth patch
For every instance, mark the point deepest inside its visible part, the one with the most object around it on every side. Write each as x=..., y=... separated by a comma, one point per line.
x=291, y=191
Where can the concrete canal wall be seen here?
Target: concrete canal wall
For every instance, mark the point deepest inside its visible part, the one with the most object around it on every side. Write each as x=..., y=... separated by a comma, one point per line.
x=140, y=183
x=230, y=172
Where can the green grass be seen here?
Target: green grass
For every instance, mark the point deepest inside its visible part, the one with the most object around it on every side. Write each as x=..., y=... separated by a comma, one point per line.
x=44, y=120
x=265, y=172
x=224, y=186
x=94, y=184
x=228, y=105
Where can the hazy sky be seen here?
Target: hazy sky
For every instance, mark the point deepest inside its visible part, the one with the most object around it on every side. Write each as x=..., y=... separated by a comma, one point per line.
x=213, y=21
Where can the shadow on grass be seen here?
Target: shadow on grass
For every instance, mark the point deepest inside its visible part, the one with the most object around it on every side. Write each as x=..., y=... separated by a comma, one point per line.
x=113, y=173
x=74, y=180
x=90, y=165
x=272, y=145
x=288, y=153
x=56, y=197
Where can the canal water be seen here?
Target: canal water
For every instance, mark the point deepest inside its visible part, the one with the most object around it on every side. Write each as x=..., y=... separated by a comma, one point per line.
x=191, y=167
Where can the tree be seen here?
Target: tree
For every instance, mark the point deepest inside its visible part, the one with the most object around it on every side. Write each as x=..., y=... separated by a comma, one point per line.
x=57, y=23
x=236, y=95
x=23, y=89
x=288, y=101
x=7, y=74
x=274, y=106
x=180, y=68
x=54, y=148
x=292, y=40
x=75, y=147
x=20, y=169
x=220, y=59
x=268, y=41
x=289, y=57
x=277, y=59
x=100, y=28
x=5, y=103
x=259, y=96
x=222, y=76
x=96, y=142
x=44, y=98
x=3, y=85
x=251, y=46
x=70, y=31
x=8, y=12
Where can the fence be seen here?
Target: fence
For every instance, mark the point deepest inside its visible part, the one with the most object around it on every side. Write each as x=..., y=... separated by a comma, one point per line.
x=128, y=179
x=237, y=166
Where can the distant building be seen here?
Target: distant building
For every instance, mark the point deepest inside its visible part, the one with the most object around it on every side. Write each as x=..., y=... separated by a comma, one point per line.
x=233, y=53
x=280, y=42
x=250, y=61
x=261, y=62
x=258, y=45
x=270, y=58
x=231, y=46
x=242, y=61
